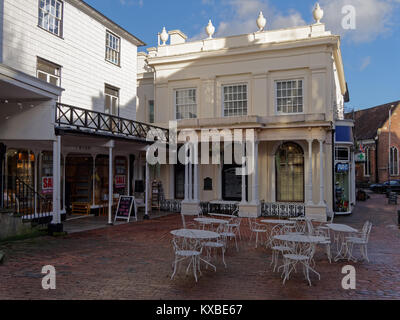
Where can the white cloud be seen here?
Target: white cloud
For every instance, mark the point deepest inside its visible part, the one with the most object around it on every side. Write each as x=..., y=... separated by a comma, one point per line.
x=131, y=3
x=373, y=18
x=243, y=15
x=365, y=63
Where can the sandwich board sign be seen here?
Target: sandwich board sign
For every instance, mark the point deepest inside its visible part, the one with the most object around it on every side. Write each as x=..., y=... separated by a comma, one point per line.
x=124, y=209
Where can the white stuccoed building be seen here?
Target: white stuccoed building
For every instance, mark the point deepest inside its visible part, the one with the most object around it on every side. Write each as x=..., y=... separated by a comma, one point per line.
x=288, y=86
x=67, y=109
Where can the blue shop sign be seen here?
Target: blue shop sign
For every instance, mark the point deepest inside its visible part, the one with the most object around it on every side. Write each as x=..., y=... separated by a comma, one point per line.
x=342, y=167
x=343, y=134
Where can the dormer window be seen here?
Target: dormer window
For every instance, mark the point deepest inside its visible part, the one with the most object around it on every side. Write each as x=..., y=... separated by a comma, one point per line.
x=289, y=96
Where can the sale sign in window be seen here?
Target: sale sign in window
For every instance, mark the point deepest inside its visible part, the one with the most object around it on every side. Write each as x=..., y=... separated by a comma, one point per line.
x=47, y=185
x=120, y=181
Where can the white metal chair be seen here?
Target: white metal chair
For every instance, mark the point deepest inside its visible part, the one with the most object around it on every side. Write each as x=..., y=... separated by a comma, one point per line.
x=234, y=225
x=186, y=249
x=303, y=254
x=213, y=246
x=360, y=239
x=278, y=247
x=228, y=234
x=256, y=228
x=327, y=242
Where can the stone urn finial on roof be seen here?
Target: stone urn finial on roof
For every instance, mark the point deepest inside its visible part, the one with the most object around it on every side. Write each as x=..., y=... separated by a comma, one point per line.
x=261, y=22
x=164, y=36
x=318, y=13
x=210, y=29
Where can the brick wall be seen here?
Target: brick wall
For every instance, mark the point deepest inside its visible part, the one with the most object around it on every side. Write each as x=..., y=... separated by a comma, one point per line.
x=383, y=144
x=81, y=53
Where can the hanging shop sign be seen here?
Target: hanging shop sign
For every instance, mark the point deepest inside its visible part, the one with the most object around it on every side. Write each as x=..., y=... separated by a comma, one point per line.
x=47, y=185
x=124, y=209
x=342, y=167
x=120, y=181
x=359, y=157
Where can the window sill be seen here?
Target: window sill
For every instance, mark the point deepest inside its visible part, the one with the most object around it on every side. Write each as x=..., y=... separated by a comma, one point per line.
x=49, y=32
x=112, y=63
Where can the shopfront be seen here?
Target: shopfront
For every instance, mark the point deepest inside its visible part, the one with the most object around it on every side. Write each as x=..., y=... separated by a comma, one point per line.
x=344, y=171
x=28, y=179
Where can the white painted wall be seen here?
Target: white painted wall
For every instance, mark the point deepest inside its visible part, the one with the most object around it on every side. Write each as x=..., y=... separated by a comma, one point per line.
x=81, y=53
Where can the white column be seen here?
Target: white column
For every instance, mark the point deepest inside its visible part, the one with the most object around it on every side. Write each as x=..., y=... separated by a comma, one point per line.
x=191, y=175
x=93, y=179
x=64, y=181
x=128, y=180
x=58, y=185
x=243, y=173
x=147, y=190
x=54, y=220
x=255, y=173
x=110, y=183
x=310, y=174
x=321, y=174
x=56, y=182
x=186, y=175
x=35, y=174
x=196, y=182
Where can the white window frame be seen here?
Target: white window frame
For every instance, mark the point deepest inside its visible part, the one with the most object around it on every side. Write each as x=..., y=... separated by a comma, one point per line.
x=367, y=159
x=394, y=151
x=48, y=12
x=276, y=95
x=113, y=48
x=49, y=75
x=235, y=100
x=189, y=104
x=111, y=98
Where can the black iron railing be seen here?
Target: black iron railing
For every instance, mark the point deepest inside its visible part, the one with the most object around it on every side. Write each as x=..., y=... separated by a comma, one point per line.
x=79, y=118
x=23, y=200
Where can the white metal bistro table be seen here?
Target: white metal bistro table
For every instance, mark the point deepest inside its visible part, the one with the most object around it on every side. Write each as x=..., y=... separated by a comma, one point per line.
x=222, y=215
x=273, y=223
x=301, y=219
x=199, y=235
x=342, y=231
x=299, y=238
x=276, y=221
x=210, y=221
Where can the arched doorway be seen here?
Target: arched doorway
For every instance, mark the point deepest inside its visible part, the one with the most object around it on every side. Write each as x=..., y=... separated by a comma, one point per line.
x=289, y=164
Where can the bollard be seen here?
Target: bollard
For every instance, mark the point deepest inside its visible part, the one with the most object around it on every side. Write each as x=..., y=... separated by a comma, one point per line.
x=398, y=217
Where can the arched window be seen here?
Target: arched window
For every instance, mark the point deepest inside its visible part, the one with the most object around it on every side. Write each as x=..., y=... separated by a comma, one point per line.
x=394, y=161
x=367, y=163
x=289, y=173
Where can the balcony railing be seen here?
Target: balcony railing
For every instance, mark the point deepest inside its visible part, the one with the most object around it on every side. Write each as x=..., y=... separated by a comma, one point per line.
x=92, y=121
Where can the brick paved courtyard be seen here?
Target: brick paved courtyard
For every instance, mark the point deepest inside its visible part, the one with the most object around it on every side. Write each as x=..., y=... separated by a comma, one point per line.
x=133, y=261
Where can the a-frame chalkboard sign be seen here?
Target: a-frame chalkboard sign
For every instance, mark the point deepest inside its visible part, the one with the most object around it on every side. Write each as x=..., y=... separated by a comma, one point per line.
x=124, y=209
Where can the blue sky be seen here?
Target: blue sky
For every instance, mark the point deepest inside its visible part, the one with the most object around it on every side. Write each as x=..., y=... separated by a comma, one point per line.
x=371, y=52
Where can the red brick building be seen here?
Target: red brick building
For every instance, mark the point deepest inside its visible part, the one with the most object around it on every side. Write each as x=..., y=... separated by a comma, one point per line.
x=371, y=131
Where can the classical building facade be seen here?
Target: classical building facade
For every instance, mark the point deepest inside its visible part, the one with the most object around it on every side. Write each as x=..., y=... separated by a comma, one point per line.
x=377, y=132
x=287, y=86
x=67, y=108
